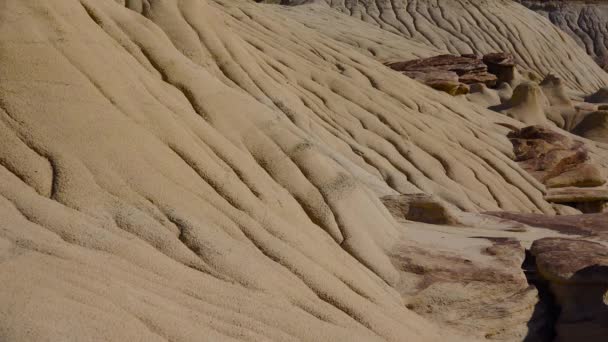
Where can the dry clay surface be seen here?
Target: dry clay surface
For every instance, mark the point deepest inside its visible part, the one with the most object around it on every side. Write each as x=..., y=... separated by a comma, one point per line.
x=585, y=21
x=462, y=27
x=171, y=169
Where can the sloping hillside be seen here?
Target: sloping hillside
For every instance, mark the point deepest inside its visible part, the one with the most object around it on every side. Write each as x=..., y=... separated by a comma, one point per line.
x=474, y=26
x=171, y=169
x=585, y=21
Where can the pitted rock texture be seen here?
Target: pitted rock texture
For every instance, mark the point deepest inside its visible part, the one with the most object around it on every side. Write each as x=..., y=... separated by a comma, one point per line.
x=466, y=69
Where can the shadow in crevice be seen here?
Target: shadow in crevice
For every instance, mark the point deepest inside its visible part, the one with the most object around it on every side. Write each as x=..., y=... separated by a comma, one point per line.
x=541, y=327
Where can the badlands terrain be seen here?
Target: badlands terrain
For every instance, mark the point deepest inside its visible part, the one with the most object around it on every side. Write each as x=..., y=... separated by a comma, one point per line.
x=583, y=20
x=291, y=170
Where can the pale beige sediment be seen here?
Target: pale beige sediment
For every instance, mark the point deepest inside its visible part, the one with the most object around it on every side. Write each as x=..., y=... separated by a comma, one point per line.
x=214, y=169
x=474, y=26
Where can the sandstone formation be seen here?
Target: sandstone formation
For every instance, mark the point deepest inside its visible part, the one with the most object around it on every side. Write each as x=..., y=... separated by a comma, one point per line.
x=502, y=65
x=527, y=104
x=560, y=105
x=455, y=74
x=577, y=271
x=587, y=200
x=464, y=27
x=555, y=159
x=591, y=225
x=187, y=170
x=585, y=21
x=419, y=208
x=448, y=73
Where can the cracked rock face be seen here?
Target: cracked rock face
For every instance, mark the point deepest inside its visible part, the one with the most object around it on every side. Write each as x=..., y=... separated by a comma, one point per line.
x=577, y=271
x=585, y=21
x=178, y=170
x=449, y=25
x=555, y=159
x=460, y=71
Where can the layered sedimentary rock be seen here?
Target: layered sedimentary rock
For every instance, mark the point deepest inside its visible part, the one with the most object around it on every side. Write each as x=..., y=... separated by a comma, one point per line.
x=591, y=225
x=585, y=21
x=455, y=74
x=469, y=26
x=172, y=170
x=555, y=159
x=448, y=73
x=577, y=271
x=528, y=104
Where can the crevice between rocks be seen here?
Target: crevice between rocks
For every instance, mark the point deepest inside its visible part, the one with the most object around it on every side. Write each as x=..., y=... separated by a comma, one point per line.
x=541, y=327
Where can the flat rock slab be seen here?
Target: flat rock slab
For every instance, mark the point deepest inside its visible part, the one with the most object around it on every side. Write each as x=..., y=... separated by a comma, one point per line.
x=586, y=225
x=576, y=195
x=571, y=260
x=558, y=161
x=577, y=272
x=453, y=70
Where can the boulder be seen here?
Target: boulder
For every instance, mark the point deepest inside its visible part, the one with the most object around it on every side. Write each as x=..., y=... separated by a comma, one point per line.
x=448, y=73
x=536, y=142
x=577, y=272
x=572, y=261
x=554, y=159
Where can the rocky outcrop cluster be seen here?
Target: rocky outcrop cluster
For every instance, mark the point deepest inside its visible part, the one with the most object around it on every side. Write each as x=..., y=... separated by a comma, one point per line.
x=454, y=74
x=563, y=165
x=554, y=159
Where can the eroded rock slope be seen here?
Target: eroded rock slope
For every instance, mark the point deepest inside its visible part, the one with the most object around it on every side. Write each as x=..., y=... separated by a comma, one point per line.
x=171, y=169
x=471, y=26
x=585, y=21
